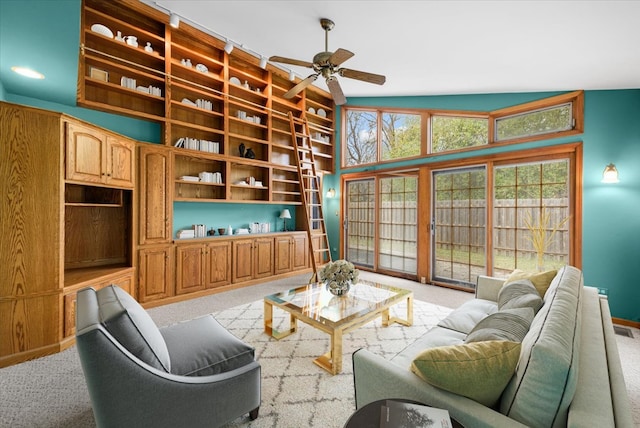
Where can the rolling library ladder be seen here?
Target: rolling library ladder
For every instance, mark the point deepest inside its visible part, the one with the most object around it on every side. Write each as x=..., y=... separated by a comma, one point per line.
x=310, y=194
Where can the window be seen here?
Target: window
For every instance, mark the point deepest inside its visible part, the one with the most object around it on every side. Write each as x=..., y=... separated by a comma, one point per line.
x=400, y=135
x=531, y=216
x=454, y=133
x=361, y=138
x=378, y=135
x=543, y=121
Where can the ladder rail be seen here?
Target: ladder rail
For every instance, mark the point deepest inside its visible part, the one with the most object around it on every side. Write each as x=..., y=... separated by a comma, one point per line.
x=310, y=189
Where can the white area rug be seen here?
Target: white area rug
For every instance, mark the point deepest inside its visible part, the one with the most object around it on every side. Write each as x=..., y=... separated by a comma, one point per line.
x=296, y=392
x=51, y=391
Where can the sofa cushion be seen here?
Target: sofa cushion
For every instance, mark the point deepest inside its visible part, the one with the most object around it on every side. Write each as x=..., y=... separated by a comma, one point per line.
x=519, y=294
x=437, y=336
x=546, y=377
x=467, y=315
x=509, y=324
x=540, y=280
x=203, y=347
x=478, y=370
x=132, y=326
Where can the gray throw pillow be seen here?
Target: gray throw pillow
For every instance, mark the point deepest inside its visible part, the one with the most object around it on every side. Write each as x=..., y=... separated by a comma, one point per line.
x=509, y=324
x=132, y=326
x=519, y=294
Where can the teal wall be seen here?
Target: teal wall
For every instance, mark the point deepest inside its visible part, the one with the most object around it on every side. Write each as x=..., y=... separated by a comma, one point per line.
x=218, y=215
x=611, y=223
x=3, y=94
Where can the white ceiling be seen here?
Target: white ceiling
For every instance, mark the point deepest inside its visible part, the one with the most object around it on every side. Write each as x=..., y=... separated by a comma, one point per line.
x=441, y=47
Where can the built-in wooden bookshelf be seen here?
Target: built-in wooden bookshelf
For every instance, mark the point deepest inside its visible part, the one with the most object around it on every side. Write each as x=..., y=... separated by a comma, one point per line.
x=204, y=96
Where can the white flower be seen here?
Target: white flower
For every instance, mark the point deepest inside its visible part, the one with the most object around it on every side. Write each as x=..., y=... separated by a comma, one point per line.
x=339, y=272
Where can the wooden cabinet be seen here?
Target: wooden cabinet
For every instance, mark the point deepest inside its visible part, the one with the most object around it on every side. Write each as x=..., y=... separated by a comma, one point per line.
x=76, y=233
x=252, y=258
x=155, y=204
x=96, y=157
x=155, y=273
x=123, y=280
x=291, y=253
x=202, y=266
x=218, y=264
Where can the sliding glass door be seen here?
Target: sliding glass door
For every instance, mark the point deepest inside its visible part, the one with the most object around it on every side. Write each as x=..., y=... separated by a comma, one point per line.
x=381, y=222
x=459, y=226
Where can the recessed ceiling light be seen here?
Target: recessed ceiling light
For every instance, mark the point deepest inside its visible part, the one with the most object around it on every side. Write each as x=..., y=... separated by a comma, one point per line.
x=28, y=72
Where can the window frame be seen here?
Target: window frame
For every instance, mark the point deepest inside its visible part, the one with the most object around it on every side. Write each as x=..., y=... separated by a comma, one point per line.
x=576, y=98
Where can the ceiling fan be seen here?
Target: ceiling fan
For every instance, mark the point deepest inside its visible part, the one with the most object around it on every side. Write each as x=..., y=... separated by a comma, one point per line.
x=327, y=64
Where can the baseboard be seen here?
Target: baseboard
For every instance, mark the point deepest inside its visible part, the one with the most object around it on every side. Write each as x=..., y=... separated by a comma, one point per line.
x=29, y=355
x=628, y=323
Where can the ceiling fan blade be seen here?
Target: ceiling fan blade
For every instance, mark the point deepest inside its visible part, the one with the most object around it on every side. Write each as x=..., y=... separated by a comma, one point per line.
x=378, y=79
x=284, y=60
x=336, y=91
x=340, y=56
x=300, y=86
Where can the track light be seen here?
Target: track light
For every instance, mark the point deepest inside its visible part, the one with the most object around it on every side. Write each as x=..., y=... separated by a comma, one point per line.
x=263, y=62
x=291, y=75
x=174, y=20
x=228, y=47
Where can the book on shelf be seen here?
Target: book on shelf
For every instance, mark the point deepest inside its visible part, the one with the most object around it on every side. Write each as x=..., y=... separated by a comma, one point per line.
x=398, y=414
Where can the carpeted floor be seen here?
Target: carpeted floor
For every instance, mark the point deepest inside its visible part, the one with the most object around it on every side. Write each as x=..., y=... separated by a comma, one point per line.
x=51, y=392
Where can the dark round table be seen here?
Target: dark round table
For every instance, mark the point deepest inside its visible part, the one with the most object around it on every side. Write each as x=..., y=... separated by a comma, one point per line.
x=369, y=415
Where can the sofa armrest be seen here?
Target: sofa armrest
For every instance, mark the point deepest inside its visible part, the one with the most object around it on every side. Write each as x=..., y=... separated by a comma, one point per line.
x=488, y=287
x=376, y=378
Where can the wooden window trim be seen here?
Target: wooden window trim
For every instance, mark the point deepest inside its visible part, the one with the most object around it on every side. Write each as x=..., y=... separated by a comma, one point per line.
x=576, y=98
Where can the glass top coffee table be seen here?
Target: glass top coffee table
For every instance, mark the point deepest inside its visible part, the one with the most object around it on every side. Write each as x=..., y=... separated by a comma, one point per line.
x=313, y=304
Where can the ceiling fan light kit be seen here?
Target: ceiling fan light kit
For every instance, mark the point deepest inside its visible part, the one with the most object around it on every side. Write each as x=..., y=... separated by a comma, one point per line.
x=327, y=64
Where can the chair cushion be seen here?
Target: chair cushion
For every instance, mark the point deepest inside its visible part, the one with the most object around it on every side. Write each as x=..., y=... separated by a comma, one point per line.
x=203, y=347
x=478, y=370
x=132, y=326
x=540, y=392
x=519, y=294
x=509, y=324
x=540, y=280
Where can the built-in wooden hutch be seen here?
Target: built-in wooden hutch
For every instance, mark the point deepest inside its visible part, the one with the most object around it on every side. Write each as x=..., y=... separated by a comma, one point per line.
x=85, y=206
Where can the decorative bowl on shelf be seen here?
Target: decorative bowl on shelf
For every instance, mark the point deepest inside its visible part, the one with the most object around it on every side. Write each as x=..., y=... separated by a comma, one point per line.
x=102, y=29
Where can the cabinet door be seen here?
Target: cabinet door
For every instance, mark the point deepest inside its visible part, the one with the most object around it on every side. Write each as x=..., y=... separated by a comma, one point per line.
x=300, y=250
x=85, y=153
x=155, y=201
x=263, y=258
x=218, y=264
x=120, y=162
x=283, y=259
x=190, y=269
x=125, y=282
x=155, y=273
x=242, y=262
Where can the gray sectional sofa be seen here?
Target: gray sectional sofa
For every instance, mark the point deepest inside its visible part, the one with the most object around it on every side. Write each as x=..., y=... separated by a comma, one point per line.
x=567, y=372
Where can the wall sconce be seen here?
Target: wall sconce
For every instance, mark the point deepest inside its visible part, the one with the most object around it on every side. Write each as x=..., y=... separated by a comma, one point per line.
x=284, y=215
x=174, y=20
x=610, y=174
x=228, y=47
x=292, y=76
x=263, y=62
x=331, y=193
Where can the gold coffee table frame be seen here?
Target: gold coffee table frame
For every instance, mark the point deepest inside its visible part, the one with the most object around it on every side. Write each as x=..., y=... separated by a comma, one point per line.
x=316, y=306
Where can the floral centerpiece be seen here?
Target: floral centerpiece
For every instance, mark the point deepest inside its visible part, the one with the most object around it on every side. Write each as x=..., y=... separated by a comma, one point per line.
x=339, y=276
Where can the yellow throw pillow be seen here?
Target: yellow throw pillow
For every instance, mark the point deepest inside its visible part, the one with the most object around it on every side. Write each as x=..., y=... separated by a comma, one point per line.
x=478, y=370
x=540, y=280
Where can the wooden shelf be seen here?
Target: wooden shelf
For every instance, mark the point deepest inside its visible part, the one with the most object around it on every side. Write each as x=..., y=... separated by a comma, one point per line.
x=167, y=68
